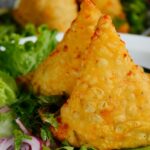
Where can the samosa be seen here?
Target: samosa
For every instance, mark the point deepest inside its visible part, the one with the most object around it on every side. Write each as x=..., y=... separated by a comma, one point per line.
x=57, y=14
x=58, y=74
x=109, y=107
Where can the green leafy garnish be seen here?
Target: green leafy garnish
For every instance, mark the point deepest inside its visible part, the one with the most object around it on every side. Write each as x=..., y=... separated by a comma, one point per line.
x=6, y=124
x=83, y=148
x=8, y=89
x=28, y=30
x=9, y=26
x=118, y=22
x=27, y=109
x=45, y=147
x=24, y=58
x=46, y=134
x=65, y=143
x=136, y=12
x=50, y=118
x=19, y=137
x=66, y=148
x=86, y=148
x=57, y=100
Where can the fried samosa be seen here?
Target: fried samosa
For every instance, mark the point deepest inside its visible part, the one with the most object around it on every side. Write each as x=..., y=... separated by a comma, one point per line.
x=109, y=107
x=148, y=74
x=56, y=14
x=58, y=74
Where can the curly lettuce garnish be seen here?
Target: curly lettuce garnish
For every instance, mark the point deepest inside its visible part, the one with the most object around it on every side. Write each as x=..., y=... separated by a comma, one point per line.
x=8, y=89
x=6, y=124
x=20, y=59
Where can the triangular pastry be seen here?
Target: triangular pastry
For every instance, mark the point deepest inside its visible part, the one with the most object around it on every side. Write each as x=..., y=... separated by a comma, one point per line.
x=59, y=72
x=109, y=107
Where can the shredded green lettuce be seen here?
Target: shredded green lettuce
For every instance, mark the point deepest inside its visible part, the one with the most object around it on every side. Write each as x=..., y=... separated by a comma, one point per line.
x=19, y=137
x=20, y=59
x=9, y=26
x=8, y=89
x=50, y=118
x=6, y=124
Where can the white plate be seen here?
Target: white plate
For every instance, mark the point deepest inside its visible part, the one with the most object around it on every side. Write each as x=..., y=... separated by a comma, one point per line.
x=139, y=48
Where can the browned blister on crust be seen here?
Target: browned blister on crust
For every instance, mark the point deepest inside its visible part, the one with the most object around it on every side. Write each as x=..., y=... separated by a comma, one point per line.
x=60, y=71
x=109, y=107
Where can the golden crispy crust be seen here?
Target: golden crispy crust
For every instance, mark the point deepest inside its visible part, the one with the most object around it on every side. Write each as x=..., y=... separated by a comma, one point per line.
x=60, y=71
x=110, y=105
x=55, y=13
x=148, y=74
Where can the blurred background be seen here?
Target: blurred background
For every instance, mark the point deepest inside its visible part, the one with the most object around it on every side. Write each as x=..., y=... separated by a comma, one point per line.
x=129, y=16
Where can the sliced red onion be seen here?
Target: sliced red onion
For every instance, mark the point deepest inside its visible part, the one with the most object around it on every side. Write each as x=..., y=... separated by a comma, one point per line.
x=47, y=143
x=27, y=144
x=6, y=144
x=1, y=140
x=11, y=148
x=34, y=143
x=21, y=126
x=4, y=109
x=25, y=147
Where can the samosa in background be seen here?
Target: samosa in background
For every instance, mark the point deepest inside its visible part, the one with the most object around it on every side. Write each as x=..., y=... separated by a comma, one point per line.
x=57, y=14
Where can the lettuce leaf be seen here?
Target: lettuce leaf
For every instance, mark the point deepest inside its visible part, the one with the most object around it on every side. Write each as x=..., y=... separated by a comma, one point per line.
x=6, y=124
x=20, y=59
x=8, y=89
